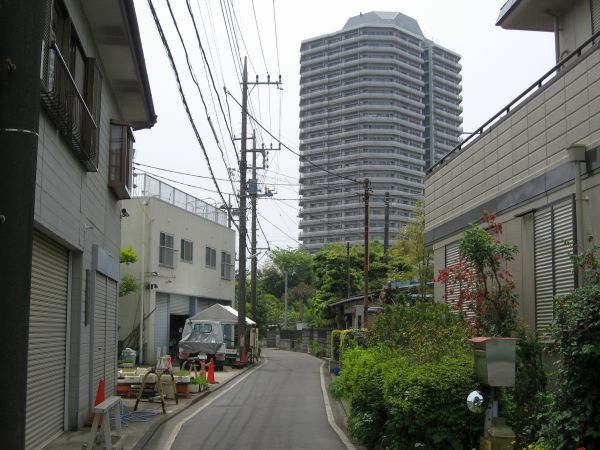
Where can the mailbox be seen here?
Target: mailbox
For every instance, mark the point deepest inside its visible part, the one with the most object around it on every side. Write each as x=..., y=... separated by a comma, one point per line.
x=494, y=360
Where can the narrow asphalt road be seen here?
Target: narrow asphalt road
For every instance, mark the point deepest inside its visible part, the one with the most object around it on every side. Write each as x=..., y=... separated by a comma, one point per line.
x=279, y=405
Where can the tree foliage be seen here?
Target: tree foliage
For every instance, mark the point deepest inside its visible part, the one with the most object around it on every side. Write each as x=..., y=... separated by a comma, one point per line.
x=128, y=283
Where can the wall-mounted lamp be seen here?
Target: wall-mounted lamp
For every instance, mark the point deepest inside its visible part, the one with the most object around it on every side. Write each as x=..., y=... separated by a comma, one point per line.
x=151, y=286
x=124, y=213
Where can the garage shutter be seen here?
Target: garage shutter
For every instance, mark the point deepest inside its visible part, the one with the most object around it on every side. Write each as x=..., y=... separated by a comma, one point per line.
x=161, y=322
x=554, y=274
x=595, y=5
x=452, y=257
x=105, y=329
x=179, y=304
x=47, y=342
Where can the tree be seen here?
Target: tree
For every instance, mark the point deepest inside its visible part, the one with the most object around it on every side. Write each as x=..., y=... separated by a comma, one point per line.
x=411, y=246
x=128, y=284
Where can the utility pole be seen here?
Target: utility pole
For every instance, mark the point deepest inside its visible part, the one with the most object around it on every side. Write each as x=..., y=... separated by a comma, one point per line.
x=348, y=269
x=386, y=228
x=366, y=269
x=21, y=28
x=285, y=316
x=242, y=225
x=253, y=194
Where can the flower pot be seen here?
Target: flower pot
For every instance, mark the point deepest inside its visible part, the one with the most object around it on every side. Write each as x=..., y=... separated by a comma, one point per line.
x=194, y=388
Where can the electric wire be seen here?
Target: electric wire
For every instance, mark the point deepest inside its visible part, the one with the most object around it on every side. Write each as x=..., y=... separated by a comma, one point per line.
x=259, y=39
x=187, y=108
x=293, y=151
x=287, y=235
x=276, y=39
x=195, y=80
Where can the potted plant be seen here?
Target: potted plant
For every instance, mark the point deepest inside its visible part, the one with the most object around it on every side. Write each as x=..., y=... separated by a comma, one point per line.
x=198, y=384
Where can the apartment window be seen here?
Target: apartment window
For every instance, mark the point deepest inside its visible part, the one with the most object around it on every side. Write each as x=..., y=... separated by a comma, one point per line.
x=166, y=251
x=187, y=251
x=226, y=266
x=71, y=86
x=120, y=160
x=211, y=258
x=554, y=273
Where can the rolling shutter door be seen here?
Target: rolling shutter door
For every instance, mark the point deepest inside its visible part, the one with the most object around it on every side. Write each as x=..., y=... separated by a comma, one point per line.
x=554, y=274
x=161, y=322
x=99, y=330
x=46, y=368
x=105, y=333
x=179, y=304
x=452, y=257
x=595, y=6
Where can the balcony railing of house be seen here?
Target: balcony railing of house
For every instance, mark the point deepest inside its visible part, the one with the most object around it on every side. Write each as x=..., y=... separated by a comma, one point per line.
x=147, y=186
x=66, y=107
x=593, y=40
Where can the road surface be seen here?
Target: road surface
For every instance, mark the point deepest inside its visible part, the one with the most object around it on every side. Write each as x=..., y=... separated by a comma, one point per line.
x=278, y=405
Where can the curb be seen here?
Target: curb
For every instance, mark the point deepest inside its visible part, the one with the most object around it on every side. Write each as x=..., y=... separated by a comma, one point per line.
x=141, y=443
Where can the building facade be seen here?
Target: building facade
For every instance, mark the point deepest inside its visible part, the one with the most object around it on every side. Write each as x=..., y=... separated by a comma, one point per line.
x=186, y=264
x=92, y=88
x=536, y=167
x=379, y=101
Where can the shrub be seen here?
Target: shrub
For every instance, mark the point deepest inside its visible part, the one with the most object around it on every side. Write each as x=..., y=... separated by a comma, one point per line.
x=335, y=344
x=347, y=341
x=336, y=389
x=316, y=349
x=575, y=409
x=413, y=397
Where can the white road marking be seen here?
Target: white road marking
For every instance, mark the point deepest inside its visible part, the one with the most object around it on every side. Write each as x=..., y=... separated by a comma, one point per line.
x=330, y=418
x=182, y=422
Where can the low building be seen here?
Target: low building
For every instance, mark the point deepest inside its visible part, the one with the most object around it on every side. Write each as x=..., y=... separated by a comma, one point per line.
x=186, y=264
x=535, y=164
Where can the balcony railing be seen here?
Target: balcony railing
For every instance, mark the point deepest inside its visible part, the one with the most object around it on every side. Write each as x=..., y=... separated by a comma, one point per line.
x=68, y=110
x=148, y=186
x=570, y=59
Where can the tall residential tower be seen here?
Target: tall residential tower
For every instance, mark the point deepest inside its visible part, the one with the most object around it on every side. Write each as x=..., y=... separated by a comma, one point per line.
x=380, y=101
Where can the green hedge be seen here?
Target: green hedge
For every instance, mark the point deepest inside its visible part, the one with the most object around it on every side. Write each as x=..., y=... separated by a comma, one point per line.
x=397, y=404
x=335, y=344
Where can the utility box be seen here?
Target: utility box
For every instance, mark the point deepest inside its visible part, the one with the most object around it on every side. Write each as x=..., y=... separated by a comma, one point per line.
x=494, y=361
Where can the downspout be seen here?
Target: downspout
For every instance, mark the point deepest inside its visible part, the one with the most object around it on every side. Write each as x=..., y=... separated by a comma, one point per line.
x=577, y=156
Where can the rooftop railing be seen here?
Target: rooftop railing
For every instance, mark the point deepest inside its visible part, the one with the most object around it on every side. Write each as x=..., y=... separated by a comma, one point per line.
x=148, y=186
x=517, y=101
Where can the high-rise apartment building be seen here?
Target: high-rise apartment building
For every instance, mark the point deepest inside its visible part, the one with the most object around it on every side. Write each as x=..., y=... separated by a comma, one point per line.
x=379, y=101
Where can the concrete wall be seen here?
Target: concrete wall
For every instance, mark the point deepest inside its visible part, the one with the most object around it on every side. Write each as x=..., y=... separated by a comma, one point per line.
x=148, y=217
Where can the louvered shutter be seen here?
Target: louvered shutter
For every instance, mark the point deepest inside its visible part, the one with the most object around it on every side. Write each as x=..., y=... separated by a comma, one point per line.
x=46, y=365
x=595, y=7
x=161, y=322
x=452, y=257
x=554, y=274
x=99, y=345
x=179, y=304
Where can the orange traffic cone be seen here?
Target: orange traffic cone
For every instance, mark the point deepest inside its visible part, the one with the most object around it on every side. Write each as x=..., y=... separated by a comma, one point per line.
x=100, y=397
x=211, y=372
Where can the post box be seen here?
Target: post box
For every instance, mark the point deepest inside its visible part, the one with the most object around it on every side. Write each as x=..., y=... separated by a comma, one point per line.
x=494, y=360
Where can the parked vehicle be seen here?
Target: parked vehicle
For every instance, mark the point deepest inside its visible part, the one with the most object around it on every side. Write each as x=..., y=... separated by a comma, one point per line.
x=203, y=339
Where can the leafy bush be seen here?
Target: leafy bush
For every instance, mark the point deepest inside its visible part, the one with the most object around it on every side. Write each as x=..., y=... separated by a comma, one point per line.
x=336, y=389
x=199, y=381
x=316, y=349
x=575, y=409
x=423, y=332
x=347, y=341
x=335, y=344
x=413, y=397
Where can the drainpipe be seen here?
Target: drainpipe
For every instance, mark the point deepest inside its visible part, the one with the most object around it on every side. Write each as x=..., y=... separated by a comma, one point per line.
x=577, y=157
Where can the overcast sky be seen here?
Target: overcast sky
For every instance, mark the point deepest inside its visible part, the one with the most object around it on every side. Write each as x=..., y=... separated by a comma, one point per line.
x=497, y=65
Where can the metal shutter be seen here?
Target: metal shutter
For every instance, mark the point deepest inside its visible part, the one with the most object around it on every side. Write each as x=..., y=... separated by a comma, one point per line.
x=179, y=304
x=99, y=347
x=554, y=275
x=452, y=257
x=110, y=361
x=46, y=366
x=161, y=323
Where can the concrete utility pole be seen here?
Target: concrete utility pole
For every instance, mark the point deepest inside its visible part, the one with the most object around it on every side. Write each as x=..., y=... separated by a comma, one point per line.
x=285, y=316
x=348, y=269
x=242, y=225
x=366, y=269
x=21, y=27
x=386, y=228
x=253, y=195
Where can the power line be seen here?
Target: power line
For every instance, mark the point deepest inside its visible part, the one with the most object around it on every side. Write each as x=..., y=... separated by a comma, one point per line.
x=276, y=40
x=259, y=39
x=185, y=103
x=193, y=75
x=293, y=151
x=268, y=221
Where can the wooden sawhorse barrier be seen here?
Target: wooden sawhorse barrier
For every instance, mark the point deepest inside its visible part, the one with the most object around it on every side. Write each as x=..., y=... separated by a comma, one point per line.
x=102, y=412
x=158, y=373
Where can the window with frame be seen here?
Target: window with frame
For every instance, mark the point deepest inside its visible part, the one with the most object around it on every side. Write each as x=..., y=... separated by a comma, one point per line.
x=71, y=86
x=211, y=258
x=187, y=251
x=120, y=160
x=166, y=252
x=226, y=266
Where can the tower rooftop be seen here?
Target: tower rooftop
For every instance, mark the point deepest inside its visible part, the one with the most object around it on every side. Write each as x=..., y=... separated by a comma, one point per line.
x=385, y=18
